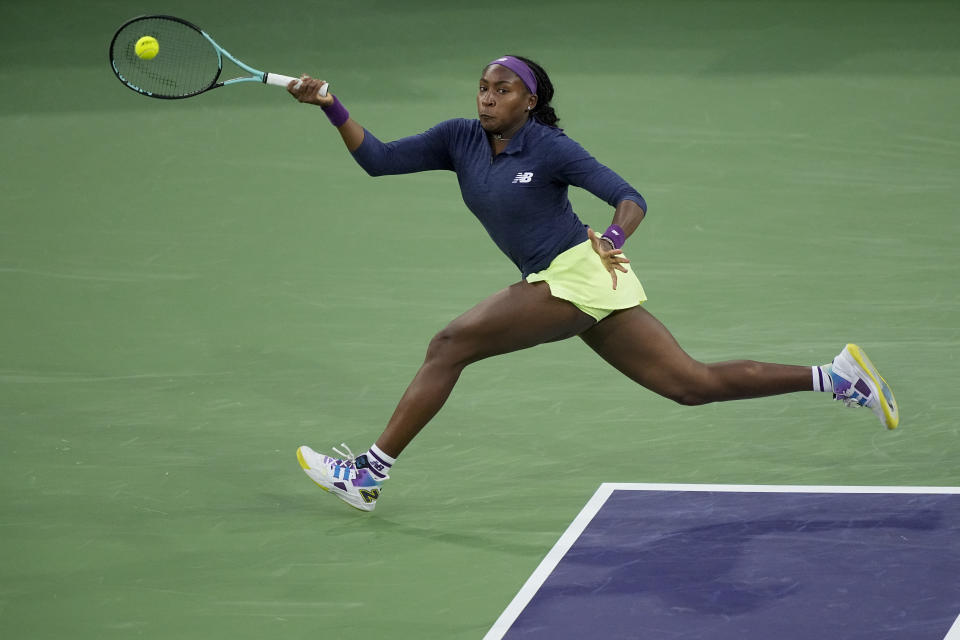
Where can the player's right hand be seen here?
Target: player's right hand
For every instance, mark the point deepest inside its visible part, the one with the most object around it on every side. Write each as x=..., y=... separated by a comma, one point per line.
x=307, y=90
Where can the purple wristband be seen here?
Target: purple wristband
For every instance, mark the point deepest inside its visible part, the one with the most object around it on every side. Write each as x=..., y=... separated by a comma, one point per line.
x=336, y=113
x=615, y=235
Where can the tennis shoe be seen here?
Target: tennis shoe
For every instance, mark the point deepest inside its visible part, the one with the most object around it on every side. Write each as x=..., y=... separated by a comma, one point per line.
x=856, y=382
x=342, y=476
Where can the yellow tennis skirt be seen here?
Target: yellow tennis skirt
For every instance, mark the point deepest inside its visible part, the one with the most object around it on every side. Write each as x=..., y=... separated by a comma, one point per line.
x=577, y=275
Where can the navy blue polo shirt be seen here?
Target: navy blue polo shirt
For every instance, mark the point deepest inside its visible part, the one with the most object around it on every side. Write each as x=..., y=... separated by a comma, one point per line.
x=520, y=195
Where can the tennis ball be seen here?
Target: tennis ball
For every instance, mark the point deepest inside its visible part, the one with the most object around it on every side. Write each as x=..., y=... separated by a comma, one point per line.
x=147, y=48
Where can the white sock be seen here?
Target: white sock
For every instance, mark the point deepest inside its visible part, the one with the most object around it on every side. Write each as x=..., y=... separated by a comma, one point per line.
x=822, y=381
x=379, y=463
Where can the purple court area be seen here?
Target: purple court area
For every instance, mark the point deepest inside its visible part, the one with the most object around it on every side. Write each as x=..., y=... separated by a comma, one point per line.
x=741, y=563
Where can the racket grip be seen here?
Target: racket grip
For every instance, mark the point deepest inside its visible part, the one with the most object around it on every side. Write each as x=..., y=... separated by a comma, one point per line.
x=278, y=80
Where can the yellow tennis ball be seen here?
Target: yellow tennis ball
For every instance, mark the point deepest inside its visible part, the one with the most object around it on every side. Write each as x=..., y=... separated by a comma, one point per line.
x=147, y=48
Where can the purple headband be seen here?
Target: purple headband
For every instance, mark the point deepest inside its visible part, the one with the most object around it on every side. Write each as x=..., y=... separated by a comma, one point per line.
x=520, y=68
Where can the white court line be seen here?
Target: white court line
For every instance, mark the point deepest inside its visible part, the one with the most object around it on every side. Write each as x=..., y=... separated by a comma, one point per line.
x=954, y=633
x=552, y=559
x=773, y=488
x=549, y=563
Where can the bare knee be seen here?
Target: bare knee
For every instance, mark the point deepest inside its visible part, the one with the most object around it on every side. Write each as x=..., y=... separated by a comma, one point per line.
x=689, y=397
x=697, y=386
x=688, y=393
x=451, y=346
x=712, y=382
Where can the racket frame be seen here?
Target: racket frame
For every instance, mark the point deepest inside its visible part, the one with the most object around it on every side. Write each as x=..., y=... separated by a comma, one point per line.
x=262, y=77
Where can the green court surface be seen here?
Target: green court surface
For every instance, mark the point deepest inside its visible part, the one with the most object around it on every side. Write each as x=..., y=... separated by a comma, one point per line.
x=191, y=289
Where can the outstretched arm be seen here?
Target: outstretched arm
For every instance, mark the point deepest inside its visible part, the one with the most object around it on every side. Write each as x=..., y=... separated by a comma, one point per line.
x=423, y=152
x=307, y=90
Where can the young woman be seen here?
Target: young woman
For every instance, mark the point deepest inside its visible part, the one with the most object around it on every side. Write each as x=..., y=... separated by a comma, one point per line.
x=514, y=166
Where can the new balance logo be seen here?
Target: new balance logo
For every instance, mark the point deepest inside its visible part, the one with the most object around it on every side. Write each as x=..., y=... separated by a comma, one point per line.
x=523, y=177
x=369, y=495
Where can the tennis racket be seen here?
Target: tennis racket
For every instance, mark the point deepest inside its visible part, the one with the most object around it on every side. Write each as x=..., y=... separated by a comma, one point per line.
x=187, y=62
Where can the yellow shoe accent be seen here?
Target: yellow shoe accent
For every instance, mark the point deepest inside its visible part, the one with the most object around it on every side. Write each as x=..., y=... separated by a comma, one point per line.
x=303, y=464
x=364, y=499
x=887, y=401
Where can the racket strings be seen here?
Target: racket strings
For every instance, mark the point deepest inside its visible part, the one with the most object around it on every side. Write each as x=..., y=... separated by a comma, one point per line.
x=186, y=63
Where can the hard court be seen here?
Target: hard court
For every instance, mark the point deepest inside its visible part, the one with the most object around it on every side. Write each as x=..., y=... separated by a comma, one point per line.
x=192, y=289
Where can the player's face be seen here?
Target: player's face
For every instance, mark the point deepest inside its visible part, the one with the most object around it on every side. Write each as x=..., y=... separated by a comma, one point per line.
x=503, y=101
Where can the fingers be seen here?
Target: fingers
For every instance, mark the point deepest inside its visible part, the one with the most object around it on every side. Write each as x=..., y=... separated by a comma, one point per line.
x=295, y=85
x=306, y=89
x=612, y=259
x=613, y=268
x=599, y=247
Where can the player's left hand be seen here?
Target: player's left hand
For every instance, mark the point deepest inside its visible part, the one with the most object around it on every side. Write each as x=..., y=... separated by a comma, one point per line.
x=612, y=259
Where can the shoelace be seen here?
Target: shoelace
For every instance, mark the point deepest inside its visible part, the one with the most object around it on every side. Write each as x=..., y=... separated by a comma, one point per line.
x=347, y=459
x=851, y=401
x=847, y=401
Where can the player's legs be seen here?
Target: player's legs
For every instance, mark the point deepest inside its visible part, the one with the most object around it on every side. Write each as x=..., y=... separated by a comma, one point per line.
x=638, y=345
x=520, y=316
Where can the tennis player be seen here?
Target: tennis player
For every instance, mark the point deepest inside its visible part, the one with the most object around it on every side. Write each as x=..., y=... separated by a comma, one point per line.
x=514, y=166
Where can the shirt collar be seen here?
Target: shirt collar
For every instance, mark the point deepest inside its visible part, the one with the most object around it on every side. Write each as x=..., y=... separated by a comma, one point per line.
x=516, y=142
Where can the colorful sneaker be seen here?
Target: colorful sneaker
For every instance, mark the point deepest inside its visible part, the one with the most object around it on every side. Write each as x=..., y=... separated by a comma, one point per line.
x=342, y=477
x=856, y=382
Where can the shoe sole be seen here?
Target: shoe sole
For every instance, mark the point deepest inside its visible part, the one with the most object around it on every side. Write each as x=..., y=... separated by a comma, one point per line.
x=891, y=411
x=306, y=467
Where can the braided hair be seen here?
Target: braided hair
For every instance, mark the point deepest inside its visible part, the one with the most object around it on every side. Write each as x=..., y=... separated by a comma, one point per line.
x=543, y=111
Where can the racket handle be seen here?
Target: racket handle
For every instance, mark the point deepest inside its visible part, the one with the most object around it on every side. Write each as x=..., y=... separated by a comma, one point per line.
x=278, y=80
